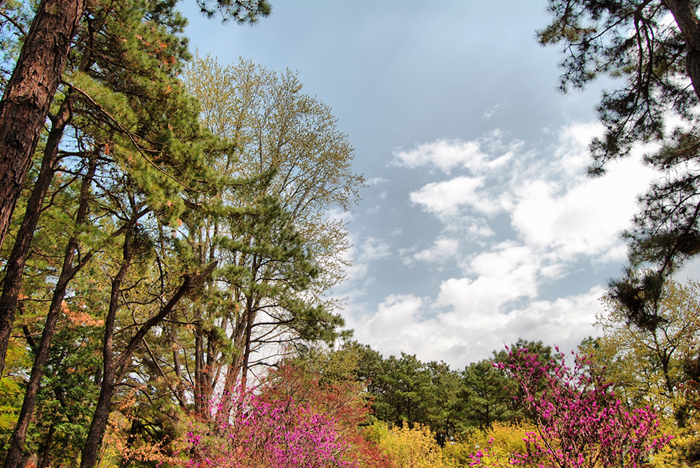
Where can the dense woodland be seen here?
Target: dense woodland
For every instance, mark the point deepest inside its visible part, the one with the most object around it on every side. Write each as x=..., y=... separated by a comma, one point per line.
x=171, y=228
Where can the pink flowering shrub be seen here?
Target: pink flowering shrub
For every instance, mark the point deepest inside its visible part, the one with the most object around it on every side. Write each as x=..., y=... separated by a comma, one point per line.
x=259, y=434
x=579, y=421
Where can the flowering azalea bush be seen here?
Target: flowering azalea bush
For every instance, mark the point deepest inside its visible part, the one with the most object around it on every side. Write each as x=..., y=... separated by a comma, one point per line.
x=579, y=422
x=258, y=434
x=341, y=399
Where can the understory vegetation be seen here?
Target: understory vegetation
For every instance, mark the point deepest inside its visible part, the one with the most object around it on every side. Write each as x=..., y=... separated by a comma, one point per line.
x=630, y=397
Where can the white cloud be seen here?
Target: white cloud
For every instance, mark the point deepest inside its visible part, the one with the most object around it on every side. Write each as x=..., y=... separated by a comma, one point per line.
x=376, y=181
x=466, y=334
x=585, y=218
x=443, y=154
x=493, y=110
x=553, y=206
x=444, y=248
x=373, y=249
x=507, y=273
x=571, y=152
x=444, y=199
x=529, y=220
x=397, y=326
x=363, y=254
x=469, y=226
x=450, y=154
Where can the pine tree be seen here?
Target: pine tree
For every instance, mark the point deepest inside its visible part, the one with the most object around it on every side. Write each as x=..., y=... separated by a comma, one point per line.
x=37, y=74
x=136, y=148
x=652, y=48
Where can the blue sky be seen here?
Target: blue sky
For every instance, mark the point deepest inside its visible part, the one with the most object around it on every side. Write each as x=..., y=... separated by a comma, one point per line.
x=479, y=224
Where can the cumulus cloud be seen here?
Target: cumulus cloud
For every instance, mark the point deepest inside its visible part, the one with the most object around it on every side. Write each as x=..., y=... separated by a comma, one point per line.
x=362, y=255
x=585, y=218
x=526, y=219
x=553, y=206
x=470, y=332
x=444, y=199
x=442, y=249
x=488, y=153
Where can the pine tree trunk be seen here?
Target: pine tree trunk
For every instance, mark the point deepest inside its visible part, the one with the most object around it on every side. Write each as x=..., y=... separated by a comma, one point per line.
x=200, y=405
x=19, y=435
x=18, y=256
x=687, y=21
x=29, y=93
x=109, y=368
x=46, y=455
x=115, y=369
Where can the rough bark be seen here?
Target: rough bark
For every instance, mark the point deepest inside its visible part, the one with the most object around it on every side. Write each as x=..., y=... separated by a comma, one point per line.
x=248, y=335
x=45, y=457
x=687, y=21
x=109, y=369
x=178, y=373
x=199, y=398
x=29, y=93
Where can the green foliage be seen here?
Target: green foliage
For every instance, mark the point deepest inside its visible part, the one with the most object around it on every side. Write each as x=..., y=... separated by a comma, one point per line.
x=281, y=167
x=14, y=24
x=11, y=390
x=653, y=366
x=405, y=389
x=277, y=131
x=486, y=397
x=242, y=11
x=649, y=365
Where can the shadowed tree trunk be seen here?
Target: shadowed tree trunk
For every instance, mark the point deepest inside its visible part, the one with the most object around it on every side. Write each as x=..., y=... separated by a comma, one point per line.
x=68, y=271
x=23, y=242
x=687, y=21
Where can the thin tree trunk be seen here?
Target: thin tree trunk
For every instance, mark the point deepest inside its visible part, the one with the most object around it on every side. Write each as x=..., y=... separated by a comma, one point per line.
x=45, y=457
x=199, y=402
x=23, y=242
x=115, y=369
x=180, y=388
x=238, y=340
x=29, y=93
x=133, y=433
x=68, y=271
x=109, y=369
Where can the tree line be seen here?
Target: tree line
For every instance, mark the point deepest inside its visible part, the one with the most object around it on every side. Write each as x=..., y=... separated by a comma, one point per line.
x=531, y=388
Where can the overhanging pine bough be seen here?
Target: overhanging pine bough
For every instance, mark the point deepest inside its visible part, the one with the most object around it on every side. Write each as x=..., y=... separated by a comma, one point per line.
x=653, y=47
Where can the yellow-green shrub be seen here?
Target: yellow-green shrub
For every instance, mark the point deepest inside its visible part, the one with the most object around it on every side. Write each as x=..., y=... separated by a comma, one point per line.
x=502, y=440
x=408, y=447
